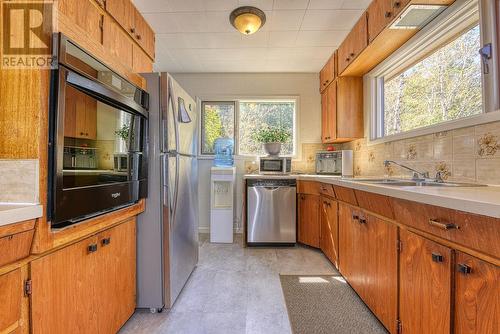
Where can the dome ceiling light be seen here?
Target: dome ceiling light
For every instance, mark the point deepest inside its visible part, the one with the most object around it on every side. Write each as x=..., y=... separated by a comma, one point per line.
x=247, y=19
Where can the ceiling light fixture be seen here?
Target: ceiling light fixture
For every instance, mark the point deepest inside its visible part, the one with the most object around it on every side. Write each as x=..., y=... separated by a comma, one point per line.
x=247, y=19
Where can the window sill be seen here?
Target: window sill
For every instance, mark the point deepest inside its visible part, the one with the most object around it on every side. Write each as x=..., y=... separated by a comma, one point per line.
x=447, y=126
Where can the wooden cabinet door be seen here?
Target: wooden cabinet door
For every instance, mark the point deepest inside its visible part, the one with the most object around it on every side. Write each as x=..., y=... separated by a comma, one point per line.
x=141, y=63
x=11, y=295
x=398, y=6
x=90, y=118
x=63, y=283
x=329, y=233
x=144, y=35
x=380, y=14
x=369, y=261
x=355, y=42
x=425, y=285
x=309, y=220
x=329, y=113
x=328, y=73
x=477, y=296
x=86, y=14
x=75, y=115
x=349, y=109
x=122, y=11
x=118, y=42
x=116, y=284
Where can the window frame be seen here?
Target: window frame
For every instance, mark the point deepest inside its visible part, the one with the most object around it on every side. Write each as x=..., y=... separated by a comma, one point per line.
x=457, y=18
x=236, y=100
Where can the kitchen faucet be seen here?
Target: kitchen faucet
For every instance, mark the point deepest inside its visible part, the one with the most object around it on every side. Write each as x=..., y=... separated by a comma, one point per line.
x=416, y=173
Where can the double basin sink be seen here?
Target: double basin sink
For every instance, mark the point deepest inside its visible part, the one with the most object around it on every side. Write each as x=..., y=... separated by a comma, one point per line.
x=417, y=183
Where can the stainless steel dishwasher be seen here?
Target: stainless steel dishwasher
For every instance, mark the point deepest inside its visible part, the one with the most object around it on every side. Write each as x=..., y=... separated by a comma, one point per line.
x=271, y=211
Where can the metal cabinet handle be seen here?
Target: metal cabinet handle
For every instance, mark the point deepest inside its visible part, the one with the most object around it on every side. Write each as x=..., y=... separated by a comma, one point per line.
x=355, y=217
x=92, y=248
x=138, y=37
x=397, y=4
x=347, y=59
x=443, y=226
x=132, y=30
x=464, y=269
x=388, y=14
x=352, y=54
x=362, y=220
x=437, y=257
x=106, y=241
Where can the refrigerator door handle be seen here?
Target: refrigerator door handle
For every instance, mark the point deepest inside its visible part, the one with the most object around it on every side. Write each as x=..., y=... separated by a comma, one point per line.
x=171, y=98
x=173, y=207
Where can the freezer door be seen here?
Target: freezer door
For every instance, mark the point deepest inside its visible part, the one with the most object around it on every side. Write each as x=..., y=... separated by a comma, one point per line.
x=186, y=116
x=271, y=214
x=183, y=226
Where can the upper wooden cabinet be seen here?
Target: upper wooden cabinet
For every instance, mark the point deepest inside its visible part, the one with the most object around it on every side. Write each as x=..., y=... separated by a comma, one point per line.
x=398, y=6
x=342, y=110
x=425, y=285
x=329, y=114
x=118, y=42
x=123, y=12
x=144, y=35
x=355, y=42
x=87, y=287
x=328, y=73
x=87, y=15
x=80, y=118
x=308, y=222
x=380, y=14
x=477, y=296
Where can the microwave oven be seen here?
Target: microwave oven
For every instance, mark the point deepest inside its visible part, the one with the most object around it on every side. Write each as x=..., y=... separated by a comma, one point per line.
x=94, y=113
x=334, y=163
x=275, y=165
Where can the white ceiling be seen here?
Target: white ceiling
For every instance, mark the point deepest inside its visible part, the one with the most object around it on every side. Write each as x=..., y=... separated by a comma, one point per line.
x=299, y=35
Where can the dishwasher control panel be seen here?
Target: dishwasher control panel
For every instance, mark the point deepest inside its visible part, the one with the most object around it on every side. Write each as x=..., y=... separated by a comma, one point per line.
x=271, y=183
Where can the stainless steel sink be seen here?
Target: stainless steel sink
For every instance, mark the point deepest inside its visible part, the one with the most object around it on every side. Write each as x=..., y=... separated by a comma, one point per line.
x=418, y=183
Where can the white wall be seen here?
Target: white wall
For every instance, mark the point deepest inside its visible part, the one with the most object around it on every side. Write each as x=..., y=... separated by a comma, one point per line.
x=213, y=85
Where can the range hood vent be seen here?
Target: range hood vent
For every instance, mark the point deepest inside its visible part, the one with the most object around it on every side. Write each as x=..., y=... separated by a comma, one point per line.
x=417, y=16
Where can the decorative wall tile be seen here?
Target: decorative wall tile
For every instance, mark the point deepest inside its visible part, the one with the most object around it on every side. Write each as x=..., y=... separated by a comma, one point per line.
x=443, y=148
x=19, y=181
x=445, y=169
x=411, y=152
x=464, y=170
x=463, y=147
x=488, y=145
x=488, y=171
x=251, y=167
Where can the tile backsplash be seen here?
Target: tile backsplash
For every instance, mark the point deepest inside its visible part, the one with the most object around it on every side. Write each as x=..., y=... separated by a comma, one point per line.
x=469, y=155
x=19, y=181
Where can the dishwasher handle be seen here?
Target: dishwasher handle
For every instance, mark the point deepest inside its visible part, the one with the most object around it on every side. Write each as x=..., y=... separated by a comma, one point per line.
x=272, y=188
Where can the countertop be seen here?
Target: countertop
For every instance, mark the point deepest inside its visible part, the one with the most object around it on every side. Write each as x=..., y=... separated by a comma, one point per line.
x=479, y=200
x=11, y=213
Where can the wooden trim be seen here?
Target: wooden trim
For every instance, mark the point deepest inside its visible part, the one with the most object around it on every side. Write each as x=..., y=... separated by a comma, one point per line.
x=46, y=239
x=17, y=228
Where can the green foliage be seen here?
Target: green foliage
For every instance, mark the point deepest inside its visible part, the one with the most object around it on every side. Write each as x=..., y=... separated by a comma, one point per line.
x=123, y=132
x=218, y=123
x=271, y=134
x=444, y=86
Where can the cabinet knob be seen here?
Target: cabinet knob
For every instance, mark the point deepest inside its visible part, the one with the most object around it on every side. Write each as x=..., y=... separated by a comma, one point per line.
x=81, y=133
x=388, y=14
x=86, y=134
x=347, y=59
x=138, y=37
x=92, y=248
x=352, y=54
x=443, y=226
x=132, y=30
x=464, y=269
x=397, y=4
x=355, y=217
x=106, y=241
x=362, y=220
x=437, y=257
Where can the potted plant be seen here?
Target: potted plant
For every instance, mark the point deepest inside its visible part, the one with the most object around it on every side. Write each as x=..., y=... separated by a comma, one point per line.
x=123, y=134
x=271, y=138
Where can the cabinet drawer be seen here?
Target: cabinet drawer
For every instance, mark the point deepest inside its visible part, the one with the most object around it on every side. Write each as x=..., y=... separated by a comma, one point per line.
x=376, y=203
x=477, y=232
x=308, y=187
x=345, y=195
x=15, y=247
x=326, y=189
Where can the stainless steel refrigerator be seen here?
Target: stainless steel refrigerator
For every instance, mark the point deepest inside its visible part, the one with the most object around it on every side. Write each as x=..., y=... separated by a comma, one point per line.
x=167, y=232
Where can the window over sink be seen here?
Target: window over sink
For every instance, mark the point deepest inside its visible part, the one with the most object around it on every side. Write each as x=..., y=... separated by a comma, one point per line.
x=443, y=78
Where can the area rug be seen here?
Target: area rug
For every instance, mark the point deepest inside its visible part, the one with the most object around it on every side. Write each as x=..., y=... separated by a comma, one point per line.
x=326, y=305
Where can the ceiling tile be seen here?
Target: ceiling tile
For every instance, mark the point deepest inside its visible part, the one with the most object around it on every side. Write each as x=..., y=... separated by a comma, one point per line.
x=258, y=40
x=227, y=5
x=286, y=20
x=290, y=4
x=282, y=38
x=356, y=4
x=330, y=19
x=162, y=22
x=261, y=4
x=321, y=38
x=325, y=4
x=185, y=5
x=152, y=6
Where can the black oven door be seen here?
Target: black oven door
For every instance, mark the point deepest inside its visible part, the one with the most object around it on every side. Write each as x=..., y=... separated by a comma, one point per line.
x=94, y=126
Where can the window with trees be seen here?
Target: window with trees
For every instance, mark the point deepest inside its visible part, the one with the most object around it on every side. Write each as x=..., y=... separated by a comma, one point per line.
x=244, y=120
x=440, y=80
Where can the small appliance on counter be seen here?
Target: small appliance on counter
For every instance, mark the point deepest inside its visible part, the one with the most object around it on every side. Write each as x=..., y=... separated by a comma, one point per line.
x=275, y=165
x=79, y=157
x=335, y=163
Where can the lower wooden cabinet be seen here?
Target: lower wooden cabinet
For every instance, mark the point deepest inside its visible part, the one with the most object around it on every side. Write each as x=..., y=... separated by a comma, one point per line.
x=87, y=287
x=425, y=285
x=329, y=233
x=308, y=222
x=477, y=296
x=369, y=261
x=13, y=303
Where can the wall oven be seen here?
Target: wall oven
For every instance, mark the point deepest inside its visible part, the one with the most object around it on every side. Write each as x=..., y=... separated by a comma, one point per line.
x=95, y=117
